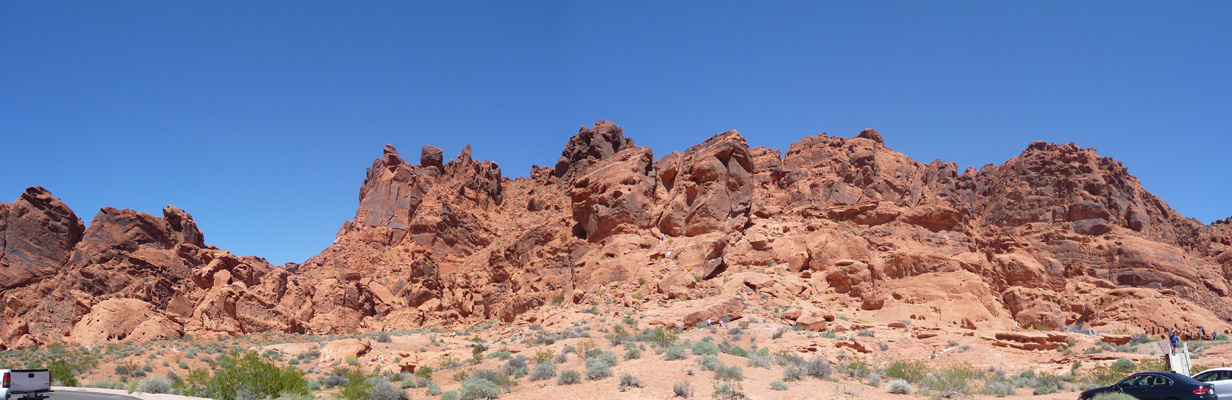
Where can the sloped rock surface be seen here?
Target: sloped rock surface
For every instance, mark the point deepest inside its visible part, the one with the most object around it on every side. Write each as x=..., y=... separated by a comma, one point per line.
x=709, y=188
x=37, y=233
x=615, y=196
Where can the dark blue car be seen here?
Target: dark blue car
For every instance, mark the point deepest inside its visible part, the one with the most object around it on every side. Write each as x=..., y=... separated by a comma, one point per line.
x=1158, y=386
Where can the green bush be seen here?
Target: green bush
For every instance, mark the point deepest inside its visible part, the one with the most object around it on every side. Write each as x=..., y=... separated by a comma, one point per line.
x=479, y=388
x=728, y=373
x=777, y=385
x=568, y=377
x=673, y=353
x=243, y=376
x=61, y=372
x=424, y=372
x=433, y=389
x=450, y=395
x=357, y=386
x=1123, y=365
x=910, y=371
x=953, y=380
x=705, y=348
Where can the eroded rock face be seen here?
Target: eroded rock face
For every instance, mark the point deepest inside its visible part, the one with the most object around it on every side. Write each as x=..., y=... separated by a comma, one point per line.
x=589, y=146
x=709, y=188
x=616, y=195
x=37, y=234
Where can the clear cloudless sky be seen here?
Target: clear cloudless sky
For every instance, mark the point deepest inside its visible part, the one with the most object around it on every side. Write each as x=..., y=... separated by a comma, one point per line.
x=260, y=117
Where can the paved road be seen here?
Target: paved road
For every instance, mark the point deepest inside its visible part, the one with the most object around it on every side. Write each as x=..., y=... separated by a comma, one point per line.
x=67, y=395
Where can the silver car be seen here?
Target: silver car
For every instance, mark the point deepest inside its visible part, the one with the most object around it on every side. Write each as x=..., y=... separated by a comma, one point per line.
x=1221, y=378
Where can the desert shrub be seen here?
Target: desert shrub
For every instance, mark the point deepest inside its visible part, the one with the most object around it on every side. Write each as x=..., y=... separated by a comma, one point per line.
x=607, y=357
x=479, y=388
x=544, y=370
x=568, y=377
x=728, y=373
x=568, y=349
x=900, y=386
x=910, y=371
x=777, y=385
x=333, y=379
x=106, y=384
x=382, y=389
x=424, y=372
x=245, y=375
x=952, y=381
x=818, y=368
x=409, y=383
x=450, y=395
x=154, y=385
x=705, y=348
x=998, y=388
x=63, y=373
x=630, y=381
x=633, y=354
x=497, y=378
x=516, y=367
x=794, y=373
x=674, y=353
x=502, y=354
x=709, y=363
x=1123, y=365
x=856, y=369
x=433, y=389
x=596, y=369
x=757, y=360
x=562, y=358
x=682, y=389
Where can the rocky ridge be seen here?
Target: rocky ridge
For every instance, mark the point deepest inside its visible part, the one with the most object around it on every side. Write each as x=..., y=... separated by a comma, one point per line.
x=1057, y=237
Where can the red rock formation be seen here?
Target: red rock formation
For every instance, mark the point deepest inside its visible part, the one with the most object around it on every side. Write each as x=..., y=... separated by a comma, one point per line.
x=1057, y=237
x=709, y=188
x=37, y=233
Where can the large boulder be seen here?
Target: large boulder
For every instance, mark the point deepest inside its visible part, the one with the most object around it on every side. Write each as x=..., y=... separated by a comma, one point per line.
x=709, y=188
x=115, y=320
x=615, y=195
x=685, y=314
x=37, y=234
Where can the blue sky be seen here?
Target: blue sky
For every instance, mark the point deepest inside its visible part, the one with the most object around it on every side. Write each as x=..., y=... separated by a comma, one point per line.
x=259, y=118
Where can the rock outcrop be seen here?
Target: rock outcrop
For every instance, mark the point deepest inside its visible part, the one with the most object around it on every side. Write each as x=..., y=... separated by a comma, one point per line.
x=37, y=234
x=1055, y=238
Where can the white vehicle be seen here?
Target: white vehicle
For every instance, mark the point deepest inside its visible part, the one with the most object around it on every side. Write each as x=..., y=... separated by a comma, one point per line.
x=33, y=384
x=1221, y=378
